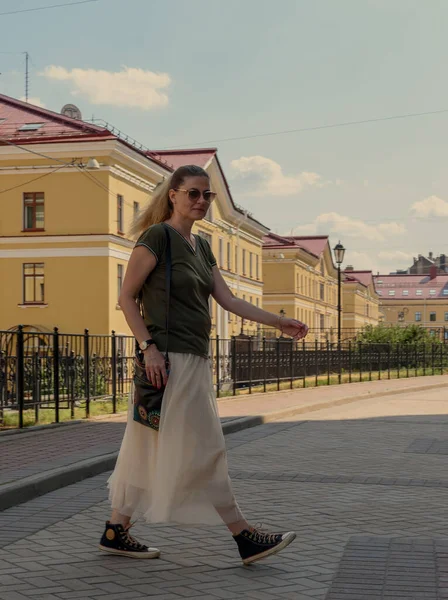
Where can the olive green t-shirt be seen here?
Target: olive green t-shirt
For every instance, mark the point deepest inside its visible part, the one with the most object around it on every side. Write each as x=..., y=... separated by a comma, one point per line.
x=191, y=286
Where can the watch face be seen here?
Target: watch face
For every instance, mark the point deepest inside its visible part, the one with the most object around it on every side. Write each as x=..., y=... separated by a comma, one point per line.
x=143, y=345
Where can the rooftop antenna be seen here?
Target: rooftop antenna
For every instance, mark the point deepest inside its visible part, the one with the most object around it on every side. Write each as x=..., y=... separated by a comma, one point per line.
x=27, y=79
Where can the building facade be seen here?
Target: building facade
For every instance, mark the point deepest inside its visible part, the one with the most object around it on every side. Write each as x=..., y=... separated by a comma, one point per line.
x=68, y=194
x=360, y=301
x=300, y=281
x=417, y=299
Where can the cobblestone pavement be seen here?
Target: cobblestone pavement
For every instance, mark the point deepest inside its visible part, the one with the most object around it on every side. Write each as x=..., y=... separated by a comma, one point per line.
x=367, y=496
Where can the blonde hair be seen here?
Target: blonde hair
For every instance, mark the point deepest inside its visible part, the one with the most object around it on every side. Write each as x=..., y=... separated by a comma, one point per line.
x=160, y=207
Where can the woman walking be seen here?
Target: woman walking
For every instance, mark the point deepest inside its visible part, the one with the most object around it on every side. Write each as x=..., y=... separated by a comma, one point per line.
x=179, y=474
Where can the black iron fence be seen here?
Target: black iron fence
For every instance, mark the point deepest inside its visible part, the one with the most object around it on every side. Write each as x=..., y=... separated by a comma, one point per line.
x=48, y=377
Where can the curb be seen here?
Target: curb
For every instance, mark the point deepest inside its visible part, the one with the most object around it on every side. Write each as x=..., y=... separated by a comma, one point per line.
x=34, y=486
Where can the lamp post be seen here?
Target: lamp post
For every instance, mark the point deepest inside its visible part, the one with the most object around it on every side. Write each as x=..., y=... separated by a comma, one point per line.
x=339, y=252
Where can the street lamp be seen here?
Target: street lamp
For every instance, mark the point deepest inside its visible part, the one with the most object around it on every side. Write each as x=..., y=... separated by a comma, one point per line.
x=339, y=252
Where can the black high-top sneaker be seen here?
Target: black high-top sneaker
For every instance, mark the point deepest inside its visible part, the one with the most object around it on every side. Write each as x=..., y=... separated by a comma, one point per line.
x=256, y=544
x=117, y=540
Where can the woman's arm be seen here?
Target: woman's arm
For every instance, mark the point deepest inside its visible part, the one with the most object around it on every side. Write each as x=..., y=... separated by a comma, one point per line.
x=140, y=265
x=223, y=296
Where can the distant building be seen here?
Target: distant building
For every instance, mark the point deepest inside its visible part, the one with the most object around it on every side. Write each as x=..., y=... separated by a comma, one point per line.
x=360, y=301
x=410, y=298
x=422, y=265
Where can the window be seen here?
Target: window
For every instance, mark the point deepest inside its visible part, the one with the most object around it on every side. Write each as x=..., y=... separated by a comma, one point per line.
x=418, y=316
x=257, y=267
x=236, y=266
x=322, y=291
x=432, y=292
x=258, y=305
x=244, y=262
x=446, y=316
x=31, y=126
x=418, y=292
x=120, y=213
x=119, y=280
x=229, y=256
x=322, y=321
x=405, y=292
x=251, y=300
x=432, y=316
x=33, y=211
x=368, y=310
x=380, y=293
x=136, y=209
x=250, y=264
x=221, y=253
x=391, y=292
x=445, y=292
x=33, y=283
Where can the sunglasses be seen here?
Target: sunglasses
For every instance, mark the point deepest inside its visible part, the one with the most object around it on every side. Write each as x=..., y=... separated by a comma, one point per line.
x=194, y=194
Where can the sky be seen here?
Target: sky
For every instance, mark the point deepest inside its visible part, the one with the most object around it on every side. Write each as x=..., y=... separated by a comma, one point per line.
x=185, y=73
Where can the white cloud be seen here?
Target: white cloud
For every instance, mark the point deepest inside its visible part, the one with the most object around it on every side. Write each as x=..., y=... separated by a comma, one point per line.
x=433, y=206
x=359, y=260
x=262, y=176
x=394, y=256
x=33, y=100
x=130, y=87
x=334, y=223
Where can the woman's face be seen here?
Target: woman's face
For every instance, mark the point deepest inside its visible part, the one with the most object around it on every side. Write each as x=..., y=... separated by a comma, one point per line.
x=192, y=199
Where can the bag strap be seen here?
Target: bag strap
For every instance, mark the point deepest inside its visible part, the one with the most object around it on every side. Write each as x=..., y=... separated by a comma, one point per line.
x=167, y=284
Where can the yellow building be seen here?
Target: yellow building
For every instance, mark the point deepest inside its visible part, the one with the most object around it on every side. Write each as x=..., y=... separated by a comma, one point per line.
x=360, y=301
x=300, y=281
x=418, y=299
x=68, y=193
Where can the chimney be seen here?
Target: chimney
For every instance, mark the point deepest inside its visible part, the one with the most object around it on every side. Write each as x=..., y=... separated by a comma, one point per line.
x=430, y=255
x=349, y=268
x=432, y=272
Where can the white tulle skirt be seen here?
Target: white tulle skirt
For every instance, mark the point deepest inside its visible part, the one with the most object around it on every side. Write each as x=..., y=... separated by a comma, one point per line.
x=179, y=474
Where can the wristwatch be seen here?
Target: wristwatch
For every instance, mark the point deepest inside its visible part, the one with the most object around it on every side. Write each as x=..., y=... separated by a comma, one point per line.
x=144, y=345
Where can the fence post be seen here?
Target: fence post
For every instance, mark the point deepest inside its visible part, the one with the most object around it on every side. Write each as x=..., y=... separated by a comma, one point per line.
x=234, y=364
x=114, y=371
x=379, y=362
x=432, y=358
x=370, y=361
x=417, y=359
x=291, y=359
x=398, y=360
x=316, y=363
x=218, y=370
x=20, y=374
x=388, y=360
x=87, y=370
x=328, y=362
x=407, y=359
x=304, y=362
x=424, y=358
x=56, y=372
x=264, y=364
x=350, y=361
x=441, y=359
x=36, y=386
x=339, y=363
x=249, y=354
x=278, y=364
x=360, y=361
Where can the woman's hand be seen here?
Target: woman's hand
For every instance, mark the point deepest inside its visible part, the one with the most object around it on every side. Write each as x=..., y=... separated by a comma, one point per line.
x=296, y=329
x=155, y=366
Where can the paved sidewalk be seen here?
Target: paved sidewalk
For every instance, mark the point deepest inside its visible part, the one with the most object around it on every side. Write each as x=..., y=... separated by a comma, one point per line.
x=364, y=484
x=36, y=462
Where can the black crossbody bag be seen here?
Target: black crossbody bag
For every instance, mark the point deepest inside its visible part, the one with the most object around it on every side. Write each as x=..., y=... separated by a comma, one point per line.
x=147, y=398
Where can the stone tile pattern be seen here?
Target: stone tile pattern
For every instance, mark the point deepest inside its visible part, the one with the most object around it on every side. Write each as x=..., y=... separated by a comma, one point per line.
x=48, y=546
x=380, y=568
x=428, y=446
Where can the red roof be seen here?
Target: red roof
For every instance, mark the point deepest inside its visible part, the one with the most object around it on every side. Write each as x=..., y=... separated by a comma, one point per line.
x=363, y=277
x=14, y=114
x=313, y=245
x=414, y=286
x=178, y=158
